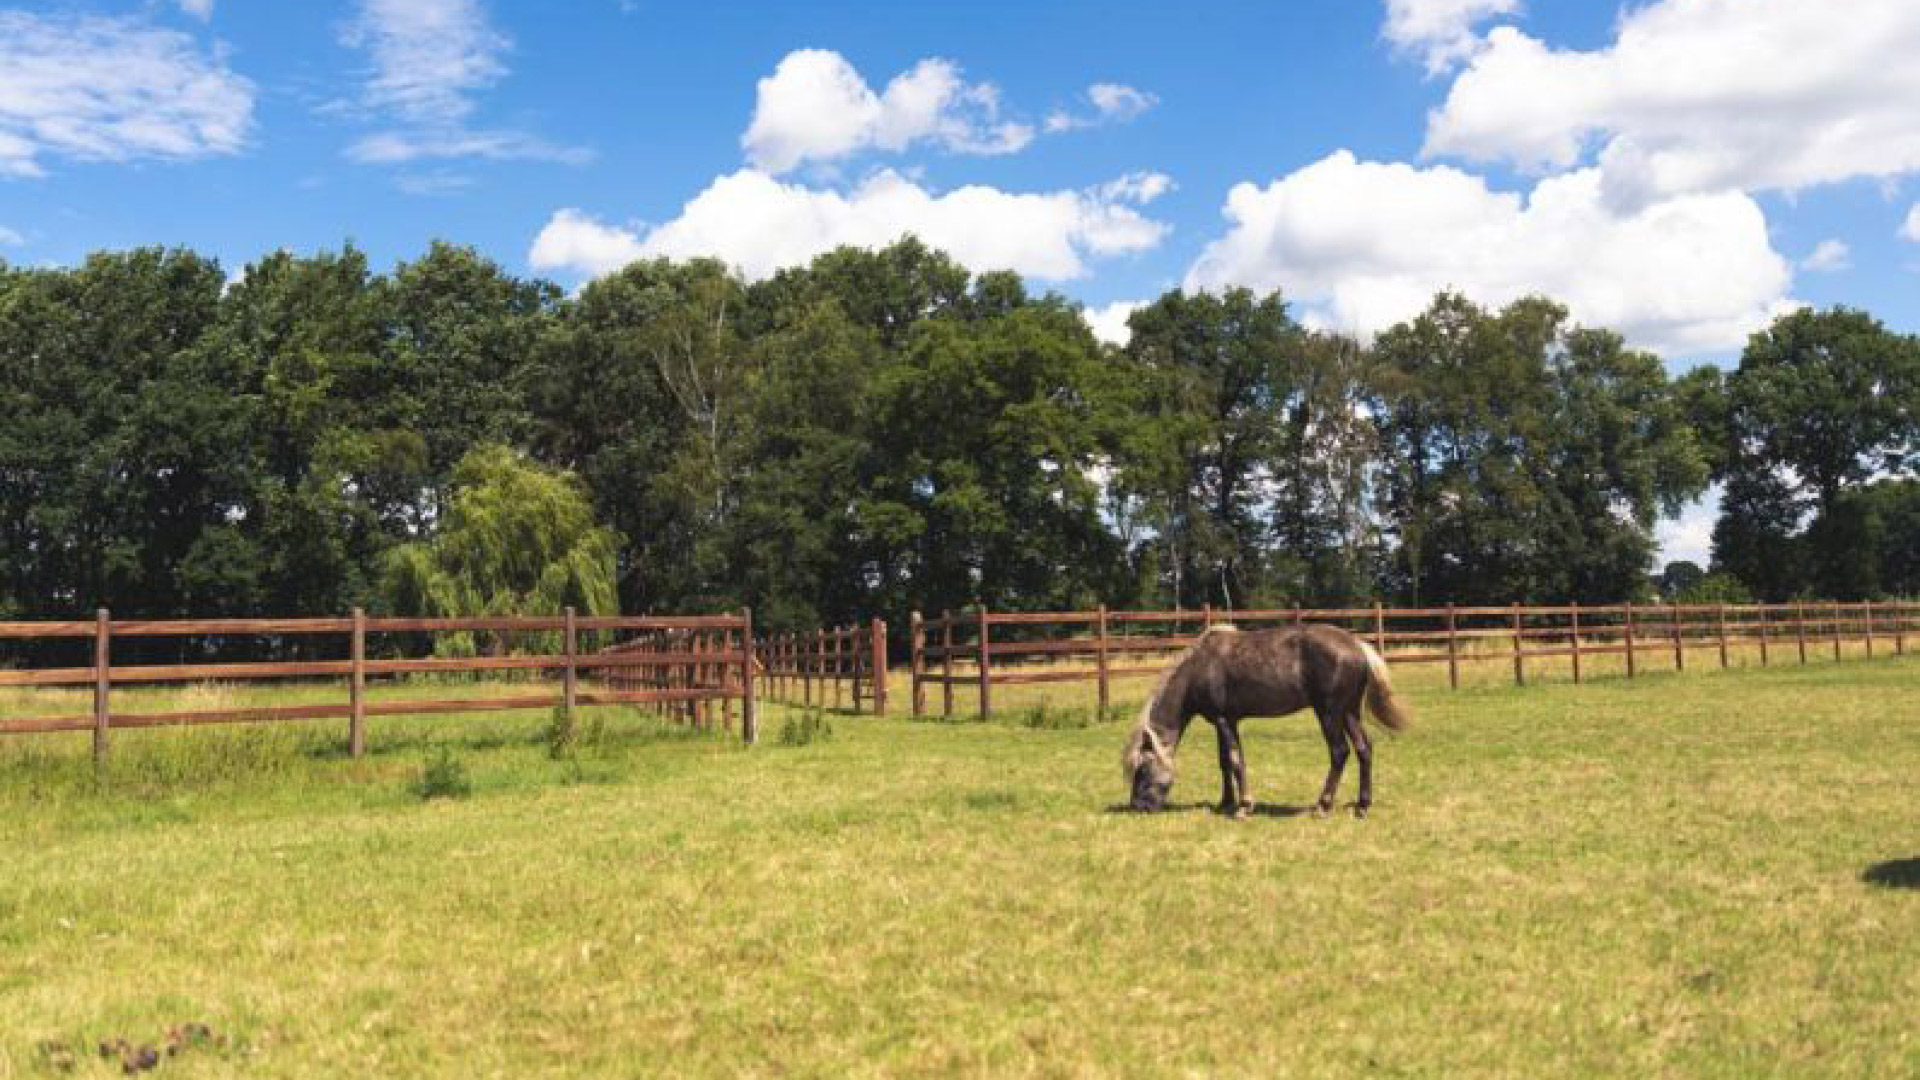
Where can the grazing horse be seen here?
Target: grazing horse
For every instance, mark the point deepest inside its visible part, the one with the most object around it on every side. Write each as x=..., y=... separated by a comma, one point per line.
x=1231, y=674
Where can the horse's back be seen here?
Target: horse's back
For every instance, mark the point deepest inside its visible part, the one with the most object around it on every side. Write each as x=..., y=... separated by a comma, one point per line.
x=1283, y=670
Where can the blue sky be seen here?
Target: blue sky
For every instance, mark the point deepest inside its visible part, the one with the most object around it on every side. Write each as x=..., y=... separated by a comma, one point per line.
x=1680, y=170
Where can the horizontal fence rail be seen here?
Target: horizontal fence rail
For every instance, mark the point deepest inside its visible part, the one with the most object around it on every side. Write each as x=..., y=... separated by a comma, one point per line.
x=826, y=667
x=981, y=650
x=686, y=662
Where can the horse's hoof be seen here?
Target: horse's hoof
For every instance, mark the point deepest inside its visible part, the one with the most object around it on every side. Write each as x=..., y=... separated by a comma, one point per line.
x=1360, y=812
x=1321, y=810
x=1242, y=813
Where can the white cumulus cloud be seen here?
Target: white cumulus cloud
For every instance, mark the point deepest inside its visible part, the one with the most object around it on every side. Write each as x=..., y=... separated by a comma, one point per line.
x=1109, y=323
x=574, y=241
x=9, y=236
x=1700, y=96
x=817, y=107
x=1441, y=32
x=760, y=224
x=100, y=89
x=1910, y=228
x=199, y=9
x=1368, y=244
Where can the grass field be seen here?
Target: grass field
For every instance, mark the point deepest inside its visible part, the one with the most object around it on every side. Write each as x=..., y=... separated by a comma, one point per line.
x=1702, y=875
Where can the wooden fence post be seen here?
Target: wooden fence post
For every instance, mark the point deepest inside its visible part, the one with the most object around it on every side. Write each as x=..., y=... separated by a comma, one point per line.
x=571, y=685
x=1902, y=611
x=1766, y=631
x=1800, y=628
x=1519, y=650
x=749, y=706
x=1379, y=629
x=917, y=664
x=1206, y=616
x=807, y=662
x=357, y=687
x=877, y=671
x=1100, y=656
x=720, y=673
x=1866, y=612
x=102, y=684
x=1630, y=663
x=986, y=664
x=1575, y=609
x=1720, y=627
x=1679, y=652
x=946, y=664
x=1453, y=651
x=854, y=666
x=1836, y=630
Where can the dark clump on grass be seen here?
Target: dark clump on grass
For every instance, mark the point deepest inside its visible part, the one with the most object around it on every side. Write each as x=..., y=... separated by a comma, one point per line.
x=444, y=777
x=992, y=799
x=136, y=1057
x=809, y=727
x=1893, y=874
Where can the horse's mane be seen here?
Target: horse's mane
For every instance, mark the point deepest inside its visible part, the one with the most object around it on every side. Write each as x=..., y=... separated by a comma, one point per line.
x=1143, y=740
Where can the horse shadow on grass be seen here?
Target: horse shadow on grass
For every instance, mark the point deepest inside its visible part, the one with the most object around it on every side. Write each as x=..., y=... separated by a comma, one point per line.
x=1893, y=874
x=1265, y=810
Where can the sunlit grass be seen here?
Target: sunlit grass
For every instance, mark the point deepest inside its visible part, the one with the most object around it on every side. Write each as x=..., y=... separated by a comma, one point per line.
x=1668, y=876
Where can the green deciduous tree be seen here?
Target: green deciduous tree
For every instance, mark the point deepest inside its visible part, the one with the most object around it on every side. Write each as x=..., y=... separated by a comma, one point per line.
x=1525, y=458
x=516, y=539
x=1822, y=402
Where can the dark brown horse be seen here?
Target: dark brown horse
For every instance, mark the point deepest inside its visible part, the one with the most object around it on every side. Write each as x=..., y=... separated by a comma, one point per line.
x=1232, y=674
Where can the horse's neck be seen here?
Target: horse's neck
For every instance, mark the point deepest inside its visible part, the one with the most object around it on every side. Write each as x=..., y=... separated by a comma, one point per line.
x=1168, y=717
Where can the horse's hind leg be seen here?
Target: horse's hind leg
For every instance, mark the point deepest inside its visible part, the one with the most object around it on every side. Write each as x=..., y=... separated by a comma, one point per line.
x=1333, y=729
x=1362, y=746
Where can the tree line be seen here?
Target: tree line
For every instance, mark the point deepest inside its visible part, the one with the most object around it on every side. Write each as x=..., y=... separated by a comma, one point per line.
x=884, y=430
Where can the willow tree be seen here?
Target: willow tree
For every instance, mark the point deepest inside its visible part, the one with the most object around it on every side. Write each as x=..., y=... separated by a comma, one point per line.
x=516, y=539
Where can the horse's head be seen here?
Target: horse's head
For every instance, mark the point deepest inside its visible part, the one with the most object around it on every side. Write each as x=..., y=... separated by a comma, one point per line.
x=1148, y=768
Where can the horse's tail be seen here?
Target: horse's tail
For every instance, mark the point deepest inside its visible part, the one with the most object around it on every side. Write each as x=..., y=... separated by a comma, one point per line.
x=1380, y=700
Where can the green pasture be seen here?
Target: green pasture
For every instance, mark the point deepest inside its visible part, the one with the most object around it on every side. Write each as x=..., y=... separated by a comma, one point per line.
x=1710, y=874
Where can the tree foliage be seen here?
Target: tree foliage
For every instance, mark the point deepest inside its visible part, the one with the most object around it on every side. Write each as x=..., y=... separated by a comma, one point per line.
x=517, y=539
x=884, y=430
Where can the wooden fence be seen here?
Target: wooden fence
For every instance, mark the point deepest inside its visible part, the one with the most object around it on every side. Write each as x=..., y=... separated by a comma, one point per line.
x=715, y=652
x=982, y=650
x=826, y=667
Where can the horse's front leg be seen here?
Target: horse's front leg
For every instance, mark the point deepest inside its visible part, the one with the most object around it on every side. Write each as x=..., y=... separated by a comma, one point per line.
x=1231, y=781
x=1242, y=792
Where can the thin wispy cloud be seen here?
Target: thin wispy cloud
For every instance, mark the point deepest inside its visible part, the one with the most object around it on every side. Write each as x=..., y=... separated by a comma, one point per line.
x=1108, y=103
x=100, y=89
x=429, y=63
x=1828, y=256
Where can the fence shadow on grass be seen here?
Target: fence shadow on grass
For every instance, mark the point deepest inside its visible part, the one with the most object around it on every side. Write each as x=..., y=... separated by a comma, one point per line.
x=1894, y=874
